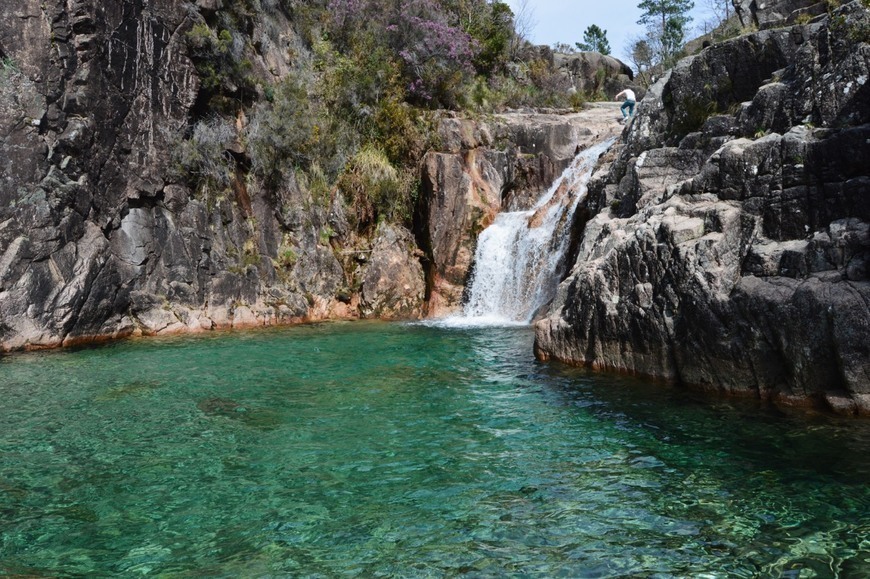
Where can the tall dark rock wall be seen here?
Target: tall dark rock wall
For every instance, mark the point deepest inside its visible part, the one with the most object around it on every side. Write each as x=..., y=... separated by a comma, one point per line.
x=730, y=240
x=89, y=91
x=98, y=238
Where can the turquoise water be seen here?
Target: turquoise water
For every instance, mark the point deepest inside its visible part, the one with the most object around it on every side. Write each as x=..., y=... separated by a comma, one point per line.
x=406, y=450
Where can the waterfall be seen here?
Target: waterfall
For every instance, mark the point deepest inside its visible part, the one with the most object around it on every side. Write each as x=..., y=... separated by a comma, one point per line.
x=520, y=257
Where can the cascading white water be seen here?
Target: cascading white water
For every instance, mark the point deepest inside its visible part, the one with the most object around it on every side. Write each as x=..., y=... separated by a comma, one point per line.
x=519, y=257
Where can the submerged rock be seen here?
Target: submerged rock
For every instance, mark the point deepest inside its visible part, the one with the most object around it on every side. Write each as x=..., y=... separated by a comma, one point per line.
x=220, y=407
x=260, y=418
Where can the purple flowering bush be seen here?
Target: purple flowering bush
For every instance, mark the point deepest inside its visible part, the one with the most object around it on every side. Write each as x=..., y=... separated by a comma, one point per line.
x=436, y=54
x=357, y=105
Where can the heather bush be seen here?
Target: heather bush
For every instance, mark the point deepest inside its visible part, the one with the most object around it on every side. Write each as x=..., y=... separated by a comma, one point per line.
x=436, y=55
x=364, y=90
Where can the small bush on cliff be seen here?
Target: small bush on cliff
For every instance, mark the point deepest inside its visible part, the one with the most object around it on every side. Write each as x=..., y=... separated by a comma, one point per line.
x=10, y=78
x=291, y=131
x=204, y=160
x=7, y=67
x=375, y=189
x=224, y=70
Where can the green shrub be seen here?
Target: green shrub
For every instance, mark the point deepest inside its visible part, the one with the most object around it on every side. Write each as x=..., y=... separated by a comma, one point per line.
x=287, y=257
x=8, y=66
x=203, y=161
x=290, y=132
x=326, y=233
x=493, y=34
x=577, y=100
x=222, y=67
x=10, y=78
x=375, y=189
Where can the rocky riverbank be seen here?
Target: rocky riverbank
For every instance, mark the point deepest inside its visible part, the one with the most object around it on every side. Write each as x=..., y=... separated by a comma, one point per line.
x=103, y=236
x=168, y=262
x=727, y=245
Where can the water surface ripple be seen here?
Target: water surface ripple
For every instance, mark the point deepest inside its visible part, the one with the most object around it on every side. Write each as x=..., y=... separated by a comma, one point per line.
x=376, y=449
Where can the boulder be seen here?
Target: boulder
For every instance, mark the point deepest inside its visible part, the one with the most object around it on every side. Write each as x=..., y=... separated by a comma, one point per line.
x=462, y=193
x=594, y=73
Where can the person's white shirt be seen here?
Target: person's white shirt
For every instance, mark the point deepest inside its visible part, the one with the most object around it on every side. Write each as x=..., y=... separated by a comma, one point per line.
x=629, y=95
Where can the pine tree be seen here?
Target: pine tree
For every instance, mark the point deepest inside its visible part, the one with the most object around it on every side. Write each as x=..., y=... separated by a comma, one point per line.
x=667, y=20
x=594, y=39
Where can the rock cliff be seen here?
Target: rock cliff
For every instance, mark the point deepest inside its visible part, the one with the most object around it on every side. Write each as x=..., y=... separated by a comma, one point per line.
x=728, y=242
x=97, y=237
x=100, y=236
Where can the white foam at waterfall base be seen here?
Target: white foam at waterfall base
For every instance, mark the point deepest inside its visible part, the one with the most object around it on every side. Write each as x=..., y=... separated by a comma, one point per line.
x=517, y=266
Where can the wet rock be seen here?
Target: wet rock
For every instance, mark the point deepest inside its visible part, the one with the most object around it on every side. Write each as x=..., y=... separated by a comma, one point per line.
x=463, y=193
x=463, y=189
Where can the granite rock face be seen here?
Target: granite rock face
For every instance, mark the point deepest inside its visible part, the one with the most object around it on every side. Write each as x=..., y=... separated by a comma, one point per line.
x=98, y=239
x=101, y=238
x=775, y=12
x=592, y=72
x=727, y=246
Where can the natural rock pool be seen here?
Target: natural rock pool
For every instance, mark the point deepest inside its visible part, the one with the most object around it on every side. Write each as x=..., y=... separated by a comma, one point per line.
x=378, y=449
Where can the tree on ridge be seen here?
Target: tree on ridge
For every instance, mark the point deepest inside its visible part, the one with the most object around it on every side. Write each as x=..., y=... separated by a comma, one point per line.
x=666, y=21
x=594, y=39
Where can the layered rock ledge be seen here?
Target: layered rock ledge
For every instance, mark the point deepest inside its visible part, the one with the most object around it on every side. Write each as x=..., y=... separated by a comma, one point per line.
x=728, y=242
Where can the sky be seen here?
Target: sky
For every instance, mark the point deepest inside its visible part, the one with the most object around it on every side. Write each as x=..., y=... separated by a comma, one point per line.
x=566, y=20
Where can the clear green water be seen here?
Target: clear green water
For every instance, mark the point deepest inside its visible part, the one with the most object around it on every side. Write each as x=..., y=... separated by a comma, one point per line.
x=406, y=450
